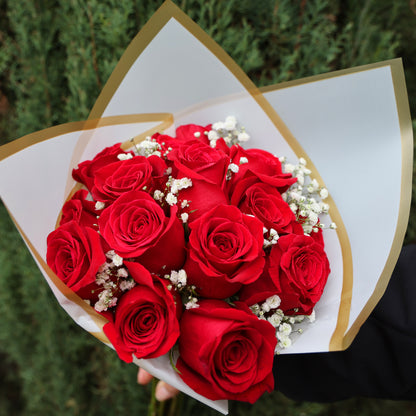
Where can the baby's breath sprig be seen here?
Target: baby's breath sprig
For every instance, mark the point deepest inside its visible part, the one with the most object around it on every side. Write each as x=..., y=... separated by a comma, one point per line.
x=113, y=278
x=148, y=147
x=229, y=131
x=124, y=156
x=178, y=281
x=285, y=325
x=173, y=187
x=270, y=237
x=306, y=197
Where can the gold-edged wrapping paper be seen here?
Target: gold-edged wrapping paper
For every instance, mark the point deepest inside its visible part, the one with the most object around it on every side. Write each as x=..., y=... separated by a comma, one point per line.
x=202, y=84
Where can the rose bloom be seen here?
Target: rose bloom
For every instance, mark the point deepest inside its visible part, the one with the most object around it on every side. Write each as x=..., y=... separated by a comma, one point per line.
x=265, y=202
x=74, y=254
x=207, y=168
x=225, y=251
x=146, y=317
x=80, y=210
x=136, y=227
x=226, y=352
x=193, y=131
x=119, y=177
x=86, y=170
x=183, y=134
x=262, y=166
x=197, y=160
x=297, y=272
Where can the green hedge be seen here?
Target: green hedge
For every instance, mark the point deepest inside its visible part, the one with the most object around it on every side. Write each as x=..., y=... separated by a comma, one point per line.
x=55, y=56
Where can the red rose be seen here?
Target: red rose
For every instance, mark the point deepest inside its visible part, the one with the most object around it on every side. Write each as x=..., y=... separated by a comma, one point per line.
x=197, y=160
x=265, y=202
x=80, y=210
x=146, y=318
x=226, y=352
x=259, y=164
x=225, y=251
x=86, y=170
x=114, y=179
x=75, y=254
x=135, y=226
x=183, y=134
x=200, y=198
x=318, y=236
x=297, y=272
x=207, y=168
x=192, y=132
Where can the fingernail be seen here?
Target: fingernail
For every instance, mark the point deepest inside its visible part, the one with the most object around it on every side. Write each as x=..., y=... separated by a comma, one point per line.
x=162, y=393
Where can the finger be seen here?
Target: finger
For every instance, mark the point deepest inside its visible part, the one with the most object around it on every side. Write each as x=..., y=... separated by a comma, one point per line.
x=165, y=391
x=143, y=377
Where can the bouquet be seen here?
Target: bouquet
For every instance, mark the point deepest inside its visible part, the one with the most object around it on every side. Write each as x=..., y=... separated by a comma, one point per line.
x=194, y=246
x=200, y=255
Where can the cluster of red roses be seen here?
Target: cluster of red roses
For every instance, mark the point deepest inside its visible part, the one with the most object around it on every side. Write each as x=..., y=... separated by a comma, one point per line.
x=203, y=213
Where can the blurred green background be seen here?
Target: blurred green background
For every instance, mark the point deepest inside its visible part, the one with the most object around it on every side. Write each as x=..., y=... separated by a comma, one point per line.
x=55, y=57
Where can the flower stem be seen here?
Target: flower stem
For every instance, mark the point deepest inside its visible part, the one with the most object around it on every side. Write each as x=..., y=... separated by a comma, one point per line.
x=153, y=402
x=170, y=408
x=161, y=408
x=175, y=405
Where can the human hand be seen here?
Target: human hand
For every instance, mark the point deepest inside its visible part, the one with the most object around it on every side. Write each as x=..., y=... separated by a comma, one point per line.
x=163, y=392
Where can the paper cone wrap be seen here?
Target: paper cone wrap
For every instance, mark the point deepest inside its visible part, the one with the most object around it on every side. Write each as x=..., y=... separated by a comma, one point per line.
x=353, y=128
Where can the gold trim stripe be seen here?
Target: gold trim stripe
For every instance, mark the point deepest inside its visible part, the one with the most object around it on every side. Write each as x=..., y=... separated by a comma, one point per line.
x=31, y=139
x=396, y=62
x=406, y=132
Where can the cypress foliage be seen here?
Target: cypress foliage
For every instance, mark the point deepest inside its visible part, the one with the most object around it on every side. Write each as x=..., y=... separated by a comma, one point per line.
x=55, y=57
x=34, y=61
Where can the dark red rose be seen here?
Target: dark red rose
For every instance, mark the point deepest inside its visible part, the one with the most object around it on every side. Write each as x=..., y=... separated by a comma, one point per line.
x=117, y=178
x=225, y=251
x=207, y=168
x=297, y=272
x=196, y=160
x=192, y=132
x=200, y=198
x=259, y=164
x=146, y=318
x=135, y=226
x=80, y=210
x=318, y=236
x=183, y=134
x=226, y=352
x=265, y=202
x=75, y=254
x=85, y=172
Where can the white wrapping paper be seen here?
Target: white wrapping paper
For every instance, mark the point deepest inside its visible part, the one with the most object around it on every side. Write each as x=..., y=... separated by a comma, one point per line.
x=353, y=127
